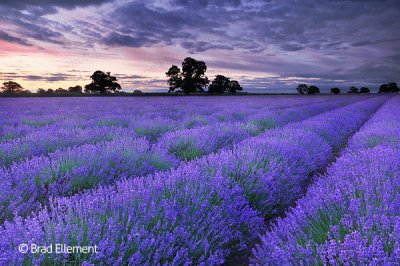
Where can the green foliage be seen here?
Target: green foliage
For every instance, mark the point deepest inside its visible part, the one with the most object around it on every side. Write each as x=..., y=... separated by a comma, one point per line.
x=185, y=149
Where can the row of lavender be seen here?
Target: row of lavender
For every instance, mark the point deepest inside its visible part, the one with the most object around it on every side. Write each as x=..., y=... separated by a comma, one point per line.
x=80, y=131
x=28, y=184
x=201, y=212
x=351, y=215
x=22, y=116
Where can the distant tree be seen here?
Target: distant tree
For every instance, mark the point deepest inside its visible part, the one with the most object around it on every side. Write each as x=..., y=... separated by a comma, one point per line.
x=335, y=90
x=50, y=91
x=121, y=92
x=222, y=84
x=393, y=87
x=389, y=87
x=102, y=83
x=137, y=92
x=234, y=86
x=353, y=89
x=190, y=79
x=41, y=91
x=61, y=91
x=175, y=78
x=313, y=90
x=364, y=90
x=76, y=89
x=302, y=89
x=11, y=87
x=383, y=88
x=219, y=85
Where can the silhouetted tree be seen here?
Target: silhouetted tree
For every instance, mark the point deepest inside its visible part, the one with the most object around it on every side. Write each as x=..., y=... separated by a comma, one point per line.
x=393, y=87
x=353, y=89
x=193, y=73
x=61, y=91
x=11, y=87
x=234, y=86
x=137, y=92
x=219, y=85
x=222, y=84
x=389, y=87
x=313, y=90
x=190, y=79
x=335, y=90
x=302, y=89
x=76, y=89
x=364, y=90
x=102, y=83
x=50, y=91
x=175, y=78
x=383, y=88
x=41, y=91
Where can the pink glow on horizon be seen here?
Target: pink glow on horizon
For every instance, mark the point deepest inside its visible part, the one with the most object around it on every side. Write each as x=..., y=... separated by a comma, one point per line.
x=14, y=48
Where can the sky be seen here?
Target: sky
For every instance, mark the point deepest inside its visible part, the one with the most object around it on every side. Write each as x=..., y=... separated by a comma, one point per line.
x=268, y=46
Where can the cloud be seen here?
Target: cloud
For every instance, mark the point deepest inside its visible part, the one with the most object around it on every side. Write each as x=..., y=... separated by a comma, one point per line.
x=195, y=47
x=9, y=38
x=329, y=40
x=117, y=39
x=30, y=77
x=289, y=26
x=124, y=76
x=69, y=4
x=31, y=26
x=137, y=25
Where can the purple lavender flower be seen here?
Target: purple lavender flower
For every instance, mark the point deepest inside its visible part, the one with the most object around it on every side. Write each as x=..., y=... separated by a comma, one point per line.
x=351, y=214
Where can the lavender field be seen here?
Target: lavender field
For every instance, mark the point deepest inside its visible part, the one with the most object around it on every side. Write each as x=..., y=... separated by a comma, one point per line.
x=259, y=180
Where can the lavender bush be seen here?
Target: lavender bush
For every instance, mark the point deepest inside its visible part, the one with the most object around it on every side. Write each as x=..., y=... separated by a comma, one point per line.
x=141, y=206
x=350, y=216
x=29, y=135
x=28, y=184
x=31, y=183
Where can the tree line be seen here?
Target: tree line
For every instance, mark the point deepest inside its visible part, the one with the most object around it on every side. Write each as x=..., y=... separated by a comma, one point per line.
x=102, y=83
x=390, y=87
x=190, y=78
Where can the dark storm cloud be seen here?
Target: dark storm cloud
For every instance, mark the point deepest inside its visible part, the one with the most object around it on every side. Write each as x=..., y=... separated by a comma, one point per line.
x=137, y=25
x=290, y=25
